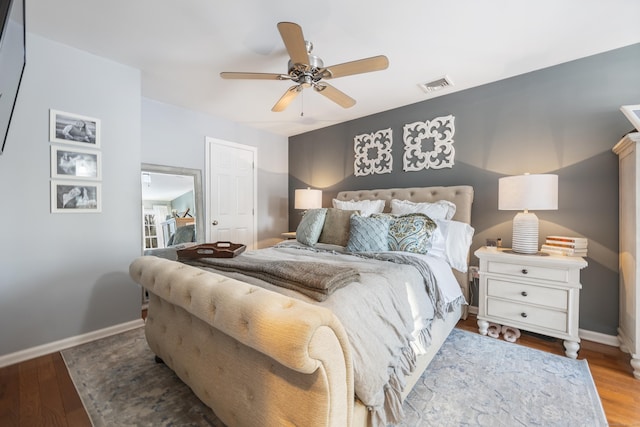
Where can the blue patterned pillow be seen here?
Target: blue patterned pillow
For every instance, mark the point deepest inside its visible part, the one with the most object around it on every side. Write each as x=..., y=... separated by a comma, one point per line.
x=411, y=233
x=309, y=229
x=368, y=234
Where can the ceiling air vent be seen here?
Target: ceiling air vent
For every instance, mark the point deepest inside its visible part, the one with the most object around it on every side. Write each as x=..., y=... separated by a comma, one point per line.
x=438, y=84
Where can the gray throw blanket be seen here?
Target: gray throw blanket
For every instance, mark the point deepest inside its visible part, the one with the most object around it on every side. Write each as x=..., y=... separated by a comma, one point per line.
x=313, y=279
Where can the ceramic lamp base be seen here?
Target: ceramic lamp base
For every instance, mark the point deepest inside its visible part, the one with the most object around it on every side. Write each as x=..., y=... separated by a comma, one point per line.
x=525, y=233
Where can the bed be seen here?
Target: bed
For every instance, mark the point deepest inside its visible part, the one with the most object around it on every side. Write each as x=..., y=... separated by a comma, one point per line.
x=260, y=354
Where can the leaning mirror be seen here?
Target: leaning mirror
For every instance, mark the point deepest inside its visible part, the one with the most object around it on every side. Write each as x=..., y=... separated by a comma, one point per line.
x=172, y=212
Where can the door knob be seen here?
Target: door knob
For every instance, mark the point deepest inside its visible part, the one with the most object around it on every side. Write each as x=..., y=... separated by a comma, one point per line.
x=215, y=222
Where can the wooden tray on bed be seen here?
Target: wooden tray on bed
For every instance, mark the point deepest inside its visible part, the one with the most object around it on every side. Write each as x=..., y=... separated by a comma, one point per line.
x=211, y=250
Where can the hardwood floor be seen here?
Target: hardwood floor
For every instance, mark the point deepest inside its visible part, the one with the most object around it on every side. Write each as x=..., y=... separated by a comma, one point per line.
x=39, y=392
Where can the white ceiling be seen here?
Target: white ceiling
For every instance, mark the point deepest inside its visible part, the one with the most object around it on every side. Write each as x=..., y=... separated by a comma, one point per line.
x=182, y=46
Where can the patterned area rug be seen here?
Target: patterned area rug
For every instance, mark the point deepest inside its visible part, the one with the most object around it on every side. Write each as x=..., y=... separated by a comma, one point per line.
x=472, y=381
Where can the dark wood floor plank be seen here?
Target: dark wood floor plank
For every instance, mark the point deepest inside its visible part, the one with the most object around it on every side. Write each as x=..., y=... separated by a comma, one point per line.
x=52, y=408
x=74, y=409
x=30, y=401
x=9, y=395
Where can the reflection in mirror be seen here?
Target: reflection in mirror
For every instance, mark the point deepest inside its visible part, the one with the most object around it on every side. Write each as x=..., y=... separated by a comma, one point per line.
x=171, y=206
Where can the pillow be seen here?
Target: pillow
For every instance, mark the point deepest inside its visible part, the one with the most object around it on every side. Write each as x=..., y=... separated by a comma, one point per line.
x=455, y=243
x=310, y=227
x=442, y=209
x=368, y=234
x=411, y=233
x=336, y=227
x=366, y=207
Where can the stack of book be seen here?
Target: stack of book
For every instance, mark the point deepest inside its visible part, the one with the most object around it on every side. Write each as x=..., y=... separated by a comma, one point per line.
x=561, y=245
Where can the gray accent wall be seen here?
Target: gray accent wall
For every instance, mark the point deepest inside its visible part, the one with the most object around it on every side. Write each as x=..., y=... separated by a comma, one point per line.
x=563, y=119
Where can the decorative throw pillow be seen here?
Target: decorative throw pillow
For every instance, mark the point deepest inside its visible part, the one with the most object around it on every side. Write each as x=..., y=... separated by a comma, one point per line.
x=336, y=227
x=368, y=234
x=442, y=209
x=366, y=207
x=310, y=227
x=411, y=233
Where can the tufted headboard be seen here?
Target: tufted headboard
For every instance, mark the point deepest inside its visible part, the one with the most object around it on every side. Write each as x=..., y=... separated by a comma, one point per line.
x=461, y=195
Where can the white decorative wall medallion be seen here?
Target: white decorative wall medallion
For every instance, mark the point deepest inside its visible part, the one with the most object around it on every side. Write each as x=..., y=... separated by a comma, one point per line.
x=429, y=145
x=373, y=153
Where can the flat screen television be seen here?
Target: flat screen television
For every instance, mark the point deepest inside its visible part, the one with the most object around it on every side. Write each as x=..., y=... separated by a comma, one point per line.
x=12, y=61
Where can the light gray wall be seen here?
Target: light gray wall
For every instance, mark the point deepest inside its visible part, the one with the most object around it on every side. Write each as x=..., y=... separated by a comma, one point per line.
x=564, y=120
x=175, y=136
x=63, y=275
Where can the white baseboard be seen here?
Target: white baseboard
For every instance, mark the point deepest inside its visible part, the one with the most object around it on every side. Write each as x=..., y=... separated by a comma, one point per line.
x=598, y=337
x=41, y=350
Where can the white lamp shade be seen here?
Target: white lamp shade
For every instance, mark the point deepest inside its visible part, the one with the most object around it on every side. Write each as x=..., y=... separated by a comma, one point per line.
x=307, y=198
x=528, y=192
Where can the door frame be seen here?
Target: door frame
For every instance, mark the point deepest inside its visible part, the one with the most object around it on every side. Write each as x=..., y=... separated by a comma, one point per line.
x=209, y=142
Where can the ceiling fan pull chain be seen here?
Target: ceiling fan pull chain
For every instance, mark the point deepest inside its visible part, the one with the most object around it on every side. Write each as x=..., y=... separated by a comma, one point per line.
x=302, y=104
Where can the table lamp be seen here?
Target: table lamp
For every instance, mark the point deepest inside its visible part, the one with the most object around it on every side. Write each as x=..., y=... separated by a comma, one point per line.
x=527, y=192
x=306, y=198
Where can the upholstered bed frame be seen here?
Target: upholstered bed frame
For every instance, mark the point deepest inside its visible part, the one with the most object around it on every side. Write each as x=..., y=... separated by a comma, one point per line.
x=257, y=357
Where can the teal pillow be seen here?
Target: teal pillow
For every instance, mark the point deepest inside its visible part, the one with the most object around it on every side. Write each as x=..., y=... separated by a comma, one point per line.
x=411, y=233
x=309, y=229
x=368, y=234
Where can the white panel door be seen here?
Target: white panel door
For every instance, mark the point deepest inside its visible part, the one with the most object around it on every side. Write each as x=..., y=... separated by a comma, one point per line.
x=231, y=187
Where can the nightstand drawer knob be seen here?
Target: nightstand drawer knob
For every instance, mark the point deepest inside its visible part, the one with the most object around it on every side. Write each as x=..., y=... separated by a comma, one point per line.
x=525, y=271
x=523, y=293
x=523, y=314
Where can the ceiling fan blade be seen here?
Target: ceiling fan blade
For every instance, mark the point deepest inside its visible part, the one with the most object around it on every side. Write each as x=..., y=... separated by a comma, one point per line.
x=286, y=99
x=294, y=42
x=253, y=76
x=335, y=95
x=375, y=63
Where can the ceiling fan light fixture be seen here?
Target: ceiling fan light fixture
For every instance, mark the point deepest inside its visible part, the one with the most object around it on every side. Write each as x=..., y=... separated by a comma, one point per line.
x=307, y=70
x=437, y=84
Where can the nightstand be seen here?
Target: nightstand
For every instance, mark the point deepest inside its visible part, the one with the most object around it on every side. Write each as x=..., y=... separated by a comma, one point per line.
x=535, y=293
x=289, y=235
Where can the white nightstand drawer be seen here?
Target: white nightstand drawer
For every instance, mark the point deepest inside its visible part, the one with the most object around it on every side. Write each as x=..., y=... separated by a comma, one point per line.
x=529, y=271
x=526, y=314
x=528, y=294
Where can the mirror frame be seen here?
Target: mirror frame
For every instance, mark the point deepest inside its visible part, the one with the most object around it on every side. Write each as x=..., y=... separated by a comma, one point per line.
x=197, y=191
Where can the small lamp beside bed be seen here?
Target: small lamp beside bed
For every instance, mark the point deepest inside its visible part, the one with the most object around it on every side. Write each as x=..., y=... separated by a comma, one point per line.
x=307, y=198
x=527, y=192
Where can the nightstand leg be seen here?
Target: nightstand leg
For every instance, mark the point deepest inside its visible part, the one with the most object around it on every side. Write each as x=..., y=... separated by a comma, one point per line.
x=571, y=348
x=483, y=327
x=635, y=364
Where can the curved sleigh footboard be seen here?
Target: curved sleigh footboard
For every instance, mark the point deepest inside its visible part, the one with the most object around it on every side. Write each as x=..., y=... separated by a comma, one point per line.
x=254, y=356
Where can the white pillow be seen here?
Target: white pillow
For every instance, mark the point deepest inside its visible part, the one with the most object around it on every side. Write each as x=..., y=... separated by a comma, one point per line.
x=366, y=207
x=453, y=238
x=442, y=209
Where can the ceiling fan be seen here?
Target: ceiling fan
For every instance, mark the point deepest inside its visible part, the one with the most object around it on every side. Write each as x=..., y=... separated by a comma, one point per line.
x=308, y=70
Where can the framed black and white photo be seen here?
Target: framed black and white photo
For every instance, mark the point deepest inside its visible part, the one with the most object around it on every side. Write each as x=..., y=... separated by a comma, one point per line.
x=75, y=129
x=633, y=114
x=75, y=163
x=75, y=197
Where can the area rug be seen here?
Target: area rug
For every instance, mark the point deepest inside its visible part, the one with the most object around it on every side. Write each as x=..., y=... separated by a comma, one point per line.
x=472, y=381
